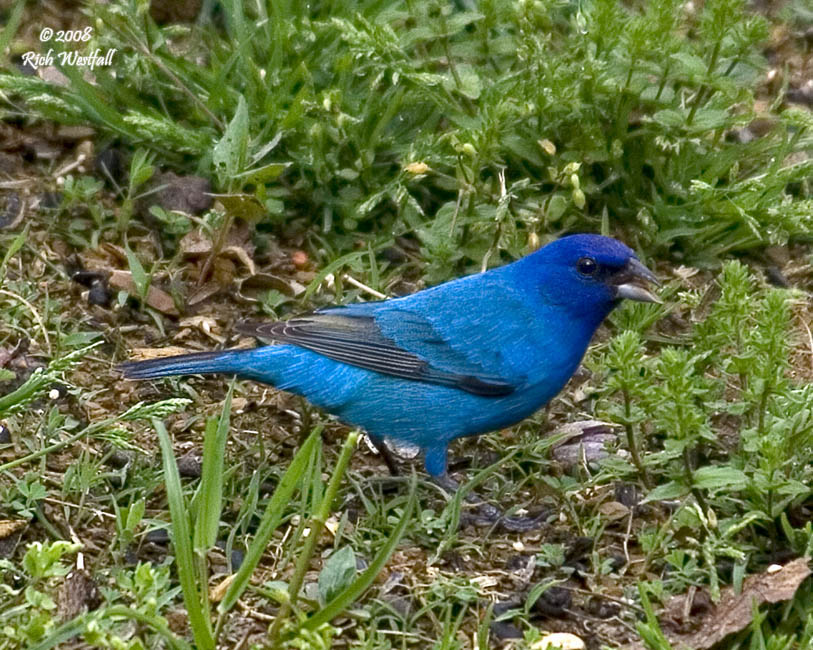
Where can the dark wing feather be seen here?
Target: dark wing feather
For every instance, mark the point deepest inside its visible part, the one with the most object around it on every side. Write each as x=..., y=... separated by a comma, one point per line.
x=358, y=341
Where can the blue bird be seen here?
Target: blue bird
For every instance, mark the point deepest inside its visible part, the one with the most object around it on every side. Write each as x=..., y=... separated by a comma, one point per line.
x=462, y=358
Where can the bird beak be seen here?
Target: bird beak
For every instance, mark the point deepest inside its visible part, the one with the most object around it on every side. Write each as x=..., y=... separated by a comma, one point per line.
x=631, y=282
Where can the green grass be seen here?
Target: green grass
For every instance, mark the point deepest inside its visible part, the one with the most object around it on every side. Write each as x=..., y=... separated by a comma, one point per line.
x=470, y=131
x=400, y=144
x=722, y=435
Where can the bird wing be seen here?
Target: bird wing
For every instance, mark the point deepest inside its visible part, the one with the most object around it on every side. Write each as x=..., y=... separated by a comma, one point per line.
x=390, y=340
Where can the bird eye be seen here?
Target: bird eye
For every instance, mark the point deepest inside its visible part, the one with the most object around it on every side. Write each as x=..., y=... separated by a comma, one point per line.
x=586, y=266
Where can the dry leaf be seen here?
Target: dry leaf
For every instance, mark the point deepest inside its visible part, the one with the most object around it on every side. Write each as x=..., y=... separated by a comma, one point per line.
x=12, y=210
x=217, y=592
x=237, y=245
x=583, y=441
x=75, y=132
x=222, y=271
x=249, y=289
x=11, y=530
x=613, y=510
x=52, y=75
x=143, y=354
x=203, y=293
x=734, y=612
x=116, y=252
x=563, y=640
x=205, y=324
x=547, y=146
x=173, y=193
x=10, y=526
x=156, y=298
x=195, y=243
x=417, y=168
x=332, y=524
x=242, y=254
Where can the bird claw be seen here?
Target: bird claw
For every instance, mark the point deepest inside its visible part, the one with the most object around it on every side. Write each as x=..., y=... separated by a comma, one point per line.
x=488, y=515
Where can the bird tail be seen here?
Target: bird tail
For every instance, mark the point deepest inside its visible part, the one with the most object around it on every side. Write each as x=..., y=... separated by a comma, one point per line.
x=197, y=363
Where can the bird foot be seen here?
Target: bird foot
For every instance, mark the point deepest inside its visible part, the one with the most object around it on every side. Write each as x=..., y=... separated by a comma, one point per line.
x=489, y=515
x=486, y=514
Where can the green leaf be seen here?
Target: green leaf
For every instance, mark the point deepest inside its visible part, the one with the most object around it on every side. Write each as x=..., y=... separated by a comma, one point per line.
x=349, y=595
x=690, y=64
x=264, y=174
x=140, y=277
x=210, y=492
x=65, y=632
x=670, y=490
x=36, y=386
x=557, y=206
x=710, y=118
x=78, y=339
x=140, y=168
x=334, y=266
x=337, y=573
x=459, y=20
x=243, y=206
x=229, y=153
x=13, y=249
x=670, y=117
x=134, y=514
x=173, y=223
x=716, y=477
x=469, y=81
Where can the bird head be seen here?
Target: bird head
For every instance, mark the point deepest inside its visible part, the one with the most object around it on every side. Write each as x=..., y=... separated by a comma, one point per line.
x=592, y=273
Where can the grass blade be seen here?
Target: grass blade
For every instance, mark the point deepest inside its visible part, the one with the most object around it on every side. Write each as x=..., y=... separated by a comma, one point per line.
x=317, y=525
x=13, y=249
x=11, y=26
x=182, y=541
x=210, y=493
x=271, y=518
x=349, y=595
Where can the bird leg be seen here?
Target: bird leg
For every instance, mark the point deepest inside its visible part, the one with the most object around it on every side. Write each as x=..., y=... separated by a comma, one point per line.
x=486, y=514
x=386, y=455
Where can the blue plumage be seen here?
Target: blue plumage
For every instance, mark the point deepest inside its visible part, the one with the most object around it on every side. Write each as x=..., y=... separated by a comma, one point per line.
x=469, y=356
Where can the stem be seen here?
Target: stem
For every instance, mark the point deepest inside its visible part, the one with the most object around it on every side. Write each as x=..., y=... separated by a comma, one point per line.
x=217, y=245
x=203, y=581
x=763, y=405
x=317, y=524
x=662, y=85
x=447, y=50
x=689, y=471
x=46, y=524
x=632, y=442
x=701, y=94
x=56, y=446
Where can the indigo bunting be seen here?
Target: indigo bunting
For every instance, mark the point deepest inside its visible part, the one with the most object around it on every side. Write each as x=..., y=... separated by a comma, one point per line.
x=462, y=358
